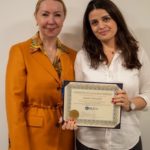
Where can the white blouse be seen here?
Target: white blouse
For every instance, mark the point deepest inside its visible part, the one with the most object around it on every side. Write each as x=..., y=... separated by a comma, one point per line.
x=135, y=83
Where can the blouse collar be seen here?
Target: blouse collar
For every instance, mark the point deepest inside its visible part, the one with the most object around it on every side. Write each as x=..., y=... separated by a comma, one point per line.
x=37, y=44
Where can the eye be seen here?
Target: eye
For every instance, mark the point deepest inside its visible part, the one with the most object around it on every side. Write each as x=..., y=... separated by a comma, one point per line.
x=58, y=15
x=93, y=22
x=45, y=14
x=106, y=18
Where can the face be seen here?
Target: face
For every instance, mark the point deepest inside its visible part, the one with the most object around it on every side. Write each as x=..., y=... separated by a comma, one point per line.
x=50, y=18
x=102, y=25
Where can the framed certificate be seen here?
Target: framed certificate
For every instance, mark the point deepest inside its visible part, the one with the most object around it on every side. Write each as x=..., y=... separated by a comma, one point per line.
x=90, y=103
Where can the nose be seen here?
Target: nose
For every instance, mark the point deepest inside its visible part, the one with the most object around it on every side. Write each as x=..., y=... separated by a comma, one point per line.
x=51, y=19
x=101, y=24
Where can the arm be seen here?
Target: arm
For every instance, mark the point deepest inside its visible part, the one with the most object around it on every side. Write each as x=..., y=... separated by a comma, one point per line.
x=121, y=99
x=144, y=78
x=142, y=100
x=15, y=99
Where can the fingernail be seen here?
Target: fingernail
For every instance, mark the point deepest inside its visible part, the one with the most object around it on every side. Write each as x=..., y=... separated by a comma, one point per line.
x=112, y=99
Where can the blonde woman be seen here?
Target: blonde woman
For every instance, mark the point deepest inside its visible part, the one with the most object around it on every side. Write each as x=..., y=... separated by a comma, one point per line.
x=35, y=71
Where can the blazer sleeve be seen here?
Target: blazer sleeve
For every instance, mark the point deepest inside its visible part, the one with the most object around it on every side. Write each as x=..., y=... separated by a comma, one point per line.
x=15, y=99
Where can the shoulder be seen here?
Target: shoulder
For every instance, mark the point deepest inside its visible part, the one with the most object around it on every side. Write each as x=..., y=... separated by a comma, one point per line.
x=21, y=46
x=143, y=57
x=81, y=54
x=82, y=57
x=71, y=52
x=25, y=43
x=17, y=52
x=68, y=49
x=142, y=54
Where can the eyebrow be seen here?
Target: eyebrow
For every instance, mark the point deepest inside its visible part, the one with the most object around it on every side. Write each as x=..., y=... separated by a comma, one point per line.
x=106, y=15
x=45, y=11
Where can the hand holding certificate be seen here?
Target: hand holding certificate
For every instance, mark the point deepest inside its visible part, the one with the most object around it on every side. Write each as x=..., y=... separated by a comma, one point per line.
x=91, y=104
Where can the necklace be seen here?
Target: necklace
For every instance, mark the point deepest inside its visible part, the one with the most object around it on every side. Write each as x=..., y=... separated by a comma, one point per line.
x=113, y=52
x=109, y=52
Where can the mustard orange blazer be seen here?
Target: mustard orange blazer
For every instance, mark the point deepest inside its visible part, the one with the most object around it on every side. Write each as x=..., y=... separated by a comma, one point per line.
x=33, y=99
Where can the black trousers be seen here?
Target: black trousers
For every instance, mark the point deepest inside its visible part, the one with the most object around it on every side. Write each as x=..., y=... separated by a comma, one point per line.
x=80, y=146
x=138, y=146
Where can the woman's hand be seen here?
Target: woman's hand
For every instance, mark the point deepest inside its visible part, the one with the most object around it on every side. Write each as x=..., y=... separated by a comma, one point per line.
x=69, y=125
x=121, y=99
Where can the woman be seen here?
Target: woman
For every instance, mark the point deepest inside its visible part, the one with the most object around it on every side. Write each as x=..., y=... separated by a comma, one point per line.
x=111, y=54
x=35, y=71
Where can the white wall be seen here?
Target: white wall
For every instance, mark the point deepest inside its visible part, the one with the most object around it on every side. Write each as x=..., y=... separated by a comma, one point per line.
x=17, y=24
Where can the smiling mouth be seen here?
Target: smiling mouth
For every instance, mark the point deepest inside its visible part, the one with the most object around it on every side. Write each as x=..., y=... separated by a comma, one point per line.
x=103, y=32
x=50, y=29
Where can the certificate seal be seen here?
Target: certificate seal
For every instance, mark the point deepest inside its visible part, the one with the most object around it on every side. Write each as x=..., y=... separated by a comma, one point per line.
x=74, y=114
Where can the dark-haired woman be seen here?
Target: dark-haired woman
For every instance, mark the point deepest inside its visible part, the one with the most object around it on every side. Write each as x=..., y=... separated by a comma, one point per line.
x=111, y=54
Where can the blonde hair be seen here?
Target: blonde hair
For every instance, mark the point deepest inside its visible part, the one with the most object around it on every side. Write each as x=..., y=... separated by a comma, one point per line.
x=40, y=1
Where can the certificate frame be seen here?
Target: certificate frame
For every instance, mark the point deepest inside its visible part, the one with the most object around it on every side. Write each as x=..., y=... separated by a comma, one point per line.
x=90, y=103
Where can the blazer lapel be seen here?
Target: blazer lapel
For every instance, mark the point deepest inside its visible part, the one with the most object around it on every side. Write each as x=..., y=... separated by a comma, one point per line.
x=46, y=64
x=65, y=63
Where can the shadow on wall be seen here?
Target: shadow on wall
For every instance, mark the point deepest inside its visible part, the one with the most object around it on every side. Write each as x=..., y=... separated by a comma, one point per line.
x=73, y=38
